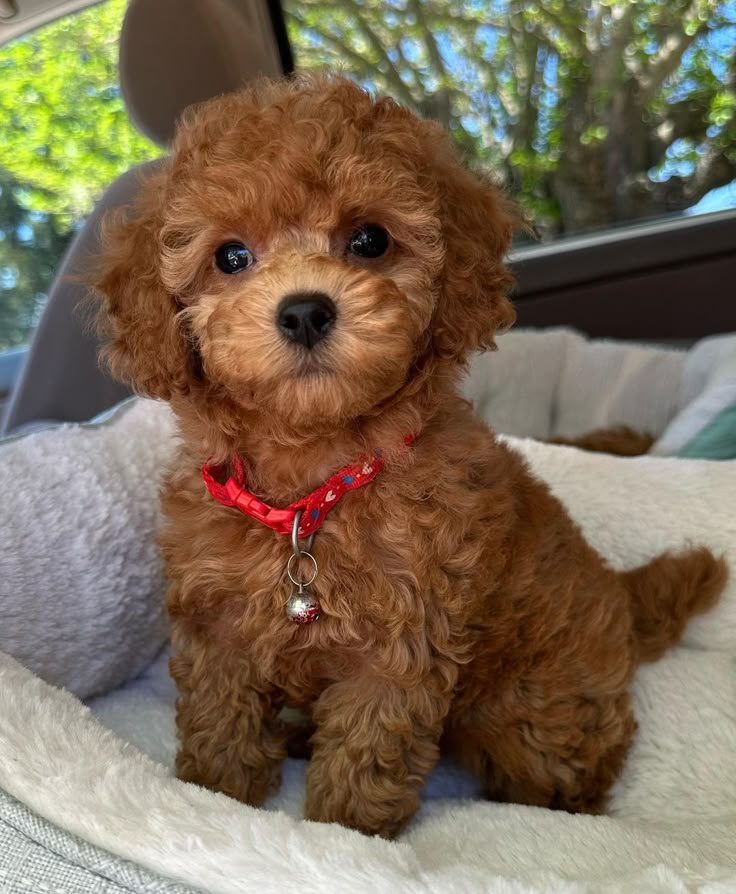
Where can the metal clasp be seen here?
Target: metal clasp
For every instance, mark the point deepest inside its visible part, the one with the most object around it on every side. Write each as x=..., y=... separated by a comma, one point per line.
x=297, y=550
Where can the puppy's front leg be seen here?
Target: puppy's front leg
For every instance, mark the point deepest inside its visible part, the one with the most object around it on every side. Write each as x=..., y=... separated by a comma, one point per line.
x=231, y=739
x=376, y=740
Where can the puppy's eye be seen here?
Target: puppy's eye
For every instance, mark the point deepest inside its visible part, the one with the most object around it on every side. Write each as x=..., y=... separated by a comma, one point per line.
x=369, y=241
x=234, y=257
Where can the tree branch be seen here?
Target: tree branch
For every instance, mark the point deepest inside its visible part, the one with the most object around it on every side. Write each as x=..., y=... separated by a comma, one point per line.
x=392, y=73
x=335, y=42
x=713, y=170
x=687, y=118
x=416, y=81
x=594, y=33
x=667, y=60
x=433, y=50
x=359, y=64
x=607, y=64
x=573, y=34
x=527, y=50
x=439, y=105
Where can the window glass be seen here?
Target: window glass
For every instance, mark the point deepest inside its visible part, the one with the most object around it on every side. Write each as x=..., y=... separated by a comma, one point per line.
x=65, y=136
x=594, y=112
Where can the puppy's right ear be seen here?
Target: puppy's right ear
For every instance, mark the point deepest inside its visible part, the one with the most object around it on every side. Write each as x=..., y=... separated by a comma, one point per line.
x=142, y=341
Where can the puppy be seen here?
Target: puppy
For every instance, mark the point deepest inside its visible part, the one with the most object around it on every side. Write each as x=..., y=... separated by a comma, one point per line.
x=304, y=282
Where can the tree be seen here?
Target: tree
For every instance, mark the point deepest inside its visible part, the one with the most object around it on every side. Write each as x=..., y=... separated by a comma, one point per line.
x=593, y=111
x=67, y=133
x=66, y=136
x=30, y=248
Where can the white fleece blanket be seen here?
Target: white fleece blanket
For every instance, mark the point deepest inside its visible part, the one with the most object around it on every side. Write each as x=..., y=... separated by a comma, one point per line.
x=672, y=822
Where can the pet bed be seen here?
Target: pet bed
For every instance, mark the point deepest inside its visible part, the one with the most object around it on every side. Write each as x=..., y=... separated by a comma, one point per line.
x=87, y=797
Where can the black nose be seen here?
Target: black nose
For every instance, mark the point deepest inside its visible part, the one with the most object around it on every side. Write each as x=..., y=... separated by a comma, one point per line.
x=306, y=317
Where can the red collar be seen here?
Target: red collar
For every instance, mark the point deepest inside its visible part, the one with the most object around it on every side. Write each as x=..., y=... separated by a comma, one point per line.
x=314, y=506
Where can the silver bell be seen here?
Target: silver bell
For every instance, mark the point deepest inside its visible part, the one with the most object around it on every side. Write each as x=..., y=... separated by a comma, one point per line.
x=302, y=607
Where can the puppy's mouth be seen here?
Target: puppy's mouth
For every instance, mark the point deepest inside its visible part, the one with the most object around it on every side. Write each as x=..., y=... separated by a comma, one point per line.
x=311, y=367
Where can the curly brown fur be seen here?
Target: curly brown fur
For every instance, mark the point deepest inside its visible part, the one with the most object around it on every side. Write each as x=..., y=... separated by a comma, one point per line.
x=619, y=441
x=460, y=604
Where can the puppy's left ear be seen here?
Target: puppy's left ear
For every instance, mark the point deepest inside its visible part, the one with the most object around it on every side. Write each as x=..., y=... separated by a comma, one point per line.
x=478, y=222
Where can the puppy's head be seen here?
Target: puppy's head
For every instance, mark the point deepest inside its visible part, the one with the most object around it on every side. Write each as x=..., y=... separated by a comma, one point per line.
x=304, y=253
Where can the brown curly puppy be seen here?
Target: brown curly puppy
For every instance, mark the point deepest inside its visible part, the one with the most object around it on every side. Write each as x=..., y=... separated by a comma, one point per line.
x=304, y=283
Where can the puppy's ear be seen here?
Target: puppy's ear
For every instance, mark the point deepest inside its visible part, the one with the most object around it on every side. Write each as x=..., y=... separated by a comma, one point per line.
x=143, y=343
x=477, y=222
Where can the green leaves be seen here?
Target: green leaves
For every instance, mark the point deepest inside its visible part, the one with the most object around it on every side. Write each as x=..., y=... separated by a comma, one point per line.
x=65, y=129
x=722, y=108
x=65, y=136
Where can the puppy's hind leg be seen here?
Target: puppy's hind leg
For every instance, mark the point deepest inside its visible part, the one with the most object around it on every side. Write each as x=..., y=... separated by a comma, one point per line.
x=564, y=755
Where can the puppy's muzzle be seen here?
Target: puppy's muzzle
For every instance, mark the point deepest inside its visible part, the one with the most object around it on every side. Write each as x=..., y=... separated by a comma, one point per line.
x=306, y=317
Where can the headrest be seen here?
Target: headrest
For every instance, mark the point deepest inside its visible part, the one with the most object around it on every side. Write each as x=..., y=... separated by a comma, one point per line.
x=174, y=54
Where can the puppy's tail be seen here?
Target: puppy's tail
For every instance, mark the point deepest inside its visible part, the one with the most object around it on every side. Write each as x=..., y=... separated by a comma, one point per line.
x=667, y=592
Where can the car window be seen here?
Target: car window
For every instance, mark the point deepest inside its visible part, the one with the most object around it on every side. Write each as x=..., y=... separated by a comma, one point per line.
x=594, y=113
x=65, y=136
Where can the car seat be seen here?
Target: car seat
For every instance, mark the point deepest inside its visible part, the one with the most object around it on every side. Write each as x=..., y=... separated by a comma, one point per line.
x=171, y=55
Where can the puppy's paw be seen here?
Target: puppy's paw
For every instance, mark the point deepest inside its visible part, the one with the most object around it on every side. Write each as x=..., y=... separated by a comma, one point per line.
x=385, y=828
x=247, y=784
x=362, y=798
